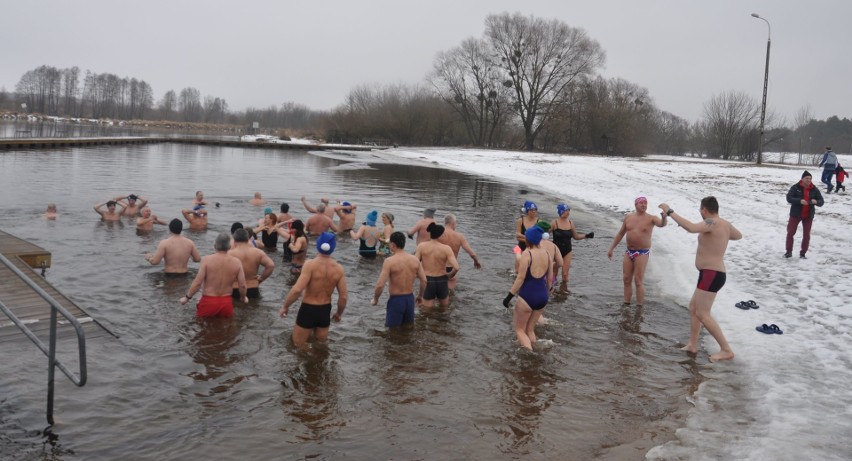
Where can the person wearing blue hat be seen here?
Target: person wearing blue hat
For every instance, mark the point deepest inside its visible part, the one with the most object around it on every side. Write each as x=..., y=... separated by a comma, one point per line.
x=528, y=219
x=563, y=230
x=368, y=236
x=320, y=277
x=532, y=287
x=346, y=215
x=197, y=217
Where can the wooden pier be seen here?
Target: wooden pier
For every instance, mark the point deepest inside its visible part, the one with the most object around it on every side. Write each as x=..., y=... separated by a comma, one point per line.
x=26, y=304
x=54, y=143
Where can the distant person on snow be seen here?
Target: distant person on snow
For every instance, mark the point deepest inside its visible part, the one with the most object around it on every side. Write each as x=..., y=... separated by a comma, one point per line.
x=841, y=175
x=828, y=164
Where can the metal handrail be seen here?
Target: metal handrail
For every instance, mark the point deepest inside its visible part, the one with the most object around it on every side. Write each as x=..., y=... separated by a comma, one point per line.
x=49, y=351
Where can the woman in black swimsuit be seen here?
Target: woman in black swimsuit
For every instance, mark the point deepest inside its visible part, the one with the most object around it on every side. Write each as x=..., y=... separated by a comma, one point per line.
x=269, y=232
x=528, y=219
x=367, y=236
x=563, y=231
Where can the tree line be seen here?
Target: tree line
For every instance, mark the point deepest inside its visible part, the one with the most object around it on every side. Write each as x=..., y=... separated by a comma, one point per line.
x=525, y=83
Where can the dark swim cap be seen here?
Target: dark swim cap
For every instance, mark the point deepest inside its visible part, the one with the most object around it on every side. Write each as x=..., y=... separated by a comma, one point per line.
x=435, y=231
x=176, y=226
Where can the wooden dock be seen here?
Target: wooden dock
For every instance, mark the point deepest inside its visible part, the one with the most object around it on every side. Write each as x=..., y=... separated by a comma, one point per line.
x=26, y=304
x=55, y=143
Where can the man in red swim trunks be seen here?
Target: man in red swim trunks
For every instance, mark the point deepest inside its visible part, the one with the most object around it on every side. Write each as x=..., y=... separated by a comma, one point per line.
x=714, y=233
x=217, y=274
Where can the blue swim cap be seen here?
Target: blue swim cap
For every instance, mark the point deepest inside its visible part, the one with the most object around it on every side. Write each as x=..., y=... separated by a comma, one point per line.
x=326, y=243
x=534, y=235
x=197, y=207
x=528, y=205
x=562, y=208
x=347, y=204
x=371, y=218
x=267, y=210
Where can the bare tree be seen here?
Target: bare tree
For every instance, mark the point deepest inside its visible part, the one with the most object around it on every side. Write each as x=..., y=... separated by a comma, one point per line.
x=468, y=79
x=189, y=104
x=168, y=105
x=730, y=121
x=70, y=90
x=540, y=60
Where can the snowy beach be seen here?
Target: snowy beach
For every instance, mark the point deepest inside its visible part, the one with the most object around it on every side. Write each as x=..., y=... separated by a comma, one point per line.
x=784, y=396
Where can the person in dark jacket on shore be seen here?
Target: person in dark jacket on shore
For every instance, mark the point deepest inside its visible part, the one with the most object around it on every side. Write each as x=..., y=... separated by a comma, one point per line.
x=802, y=197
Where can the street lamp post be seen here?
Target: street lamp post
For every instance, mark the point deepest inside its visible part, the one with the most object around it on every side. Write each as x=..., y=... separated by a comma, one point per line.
x=765, y=84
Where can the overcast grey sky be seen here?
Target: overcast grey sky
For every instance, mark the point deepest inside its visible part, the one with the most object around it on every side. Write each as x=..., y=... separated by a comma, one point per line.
x=262, y=53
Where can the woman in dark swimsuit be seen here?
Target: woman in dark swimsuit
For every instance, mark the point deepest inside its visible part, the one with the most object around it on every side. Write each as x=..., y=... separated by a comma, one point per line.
x=563, y=231
x=367, y=236
x=532, y=286
x=529, y=216
x=297, y=244
x=269, y=232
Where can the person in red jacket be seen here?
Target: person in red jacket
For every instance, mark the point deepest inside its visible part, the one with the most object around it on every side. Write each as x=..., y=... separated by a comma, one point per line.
x=802, y=197
x=841, y=175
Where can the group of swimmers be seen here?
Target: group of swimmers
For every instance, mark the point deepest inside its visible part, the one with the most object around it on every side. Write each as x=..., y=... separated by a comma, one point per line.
x=434, y=263
x=537, y=263
x=241, y=261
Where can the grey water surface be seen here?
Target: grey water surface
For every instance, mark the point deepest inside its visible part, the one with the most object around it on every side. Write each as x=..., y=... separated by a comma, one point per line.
x=607, y=382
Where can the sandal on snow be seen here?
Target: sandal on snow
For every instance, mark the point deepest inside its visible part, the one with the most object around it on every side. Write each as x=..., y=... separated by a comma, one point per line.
x=745, y=305
x=769, y=329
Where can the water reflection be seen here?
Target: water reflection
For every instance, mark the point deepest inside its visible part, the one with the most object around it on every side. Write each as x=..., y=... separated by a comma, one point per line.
x=528, y=390
x=213, y=347
x=310, y=394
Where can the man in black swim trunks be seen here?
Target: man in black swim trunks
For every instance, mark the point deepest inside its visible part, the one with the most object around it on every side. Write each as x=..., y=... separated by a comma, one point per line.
x=440, y=265
x=714, y=233
x=319, y=278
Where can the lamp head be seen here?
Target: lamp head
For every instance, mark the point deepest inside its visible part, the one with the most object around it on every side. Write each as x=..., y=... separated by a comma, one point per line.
x=755, y=15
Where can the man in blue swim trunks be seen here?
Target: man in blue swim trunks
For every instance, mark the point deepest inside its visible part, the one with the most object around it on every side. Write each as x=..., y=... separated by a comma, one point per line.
x=714, y=233
x=638, y=227
x=400, y=270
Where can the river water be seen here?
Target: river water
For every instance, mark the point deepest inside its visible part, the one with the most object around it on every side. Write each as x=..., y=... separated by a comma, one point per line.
x=606, y=383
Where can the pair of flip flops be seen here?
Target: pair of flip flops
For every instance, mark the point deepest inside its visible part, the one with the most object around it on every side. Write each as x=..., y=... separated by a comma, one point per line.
x=769, y=329
x=746, y=305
